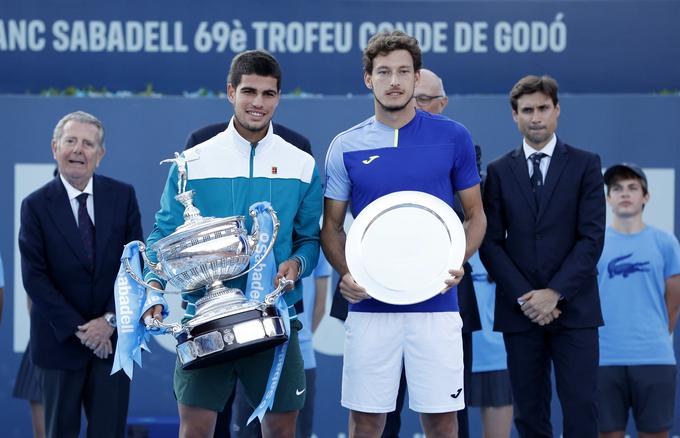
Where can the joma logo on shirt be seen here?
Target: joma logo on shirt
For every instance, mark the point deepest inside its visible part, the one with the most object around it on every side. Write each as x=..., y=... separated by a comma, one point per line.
x=618, y=267
x=370, y=159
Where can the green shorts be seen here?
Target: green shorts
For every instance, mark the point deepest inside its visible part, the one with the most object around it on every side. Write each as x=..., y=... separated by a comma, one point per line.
x=210, y=387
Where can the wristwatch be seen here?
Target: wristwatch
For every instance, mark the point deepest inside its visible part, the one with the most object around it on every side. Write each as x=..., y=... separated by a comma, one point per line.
x=110, y=318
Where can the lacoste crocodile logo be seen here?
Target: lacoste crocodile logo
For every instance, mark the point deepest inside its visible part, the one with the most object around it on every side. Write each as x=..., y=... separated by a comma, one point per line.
x=370, y=159
x=457, y=393
x=618, y=267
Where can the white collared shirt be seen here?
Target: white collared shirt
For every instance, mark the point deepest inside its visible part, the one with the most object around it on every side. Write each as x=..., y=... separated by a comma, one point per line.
x=548, y=149
x=73, y=193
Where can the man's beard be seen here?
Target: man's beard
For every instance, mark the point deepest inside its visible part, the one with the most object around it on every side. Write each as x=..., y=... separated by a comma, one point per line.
x=394, y=108
x=252, y=128
x=538, y=137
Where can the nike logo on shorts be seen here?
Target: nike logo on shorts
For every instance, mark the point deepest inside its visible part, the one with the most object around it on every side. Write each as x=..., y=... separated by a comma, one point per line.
x=299, y=392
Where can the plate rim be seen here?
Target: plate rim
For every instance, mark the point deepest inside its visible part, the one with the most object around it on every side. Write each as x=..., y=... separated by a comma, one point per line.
x=378, y=206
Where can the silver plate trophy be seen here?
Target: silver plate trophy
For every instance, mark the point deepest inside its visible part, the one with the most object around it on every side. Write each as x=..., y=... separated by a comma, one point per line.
x=201, y=253
x=402, y=245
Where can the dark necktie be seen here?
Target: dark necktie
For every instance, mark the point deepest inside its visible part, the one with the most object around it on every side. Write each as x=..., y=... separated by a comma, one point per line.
x=86, y=228
x=537, y=176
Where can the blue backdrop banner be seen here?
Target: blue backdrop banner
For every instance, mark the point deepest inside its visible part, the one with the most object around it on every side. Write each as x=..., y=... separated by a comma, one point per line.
x=478, y=47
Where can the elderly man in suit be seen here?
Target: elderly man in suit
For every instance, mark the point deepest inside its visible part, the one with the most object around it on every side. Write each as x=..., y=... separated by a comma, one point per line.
x=545, y=207
x=72, y=231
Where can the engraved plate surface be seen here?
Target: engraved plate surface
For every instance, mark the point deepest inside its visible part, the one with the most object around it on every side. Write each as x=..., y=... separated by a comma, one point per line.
x=186, y=352
x=208, y=343
x=249, y=331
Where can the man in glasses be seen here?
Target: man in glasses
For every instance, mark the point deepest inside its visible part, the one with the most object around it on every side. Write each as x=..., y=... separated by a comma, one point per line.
x=429, y=93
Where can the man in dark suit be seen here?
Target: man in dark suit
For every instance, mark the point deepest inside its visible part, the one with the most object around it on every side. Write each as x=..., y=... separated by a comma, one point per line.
x=546, y=217
x=72, y=232
x=223, y=425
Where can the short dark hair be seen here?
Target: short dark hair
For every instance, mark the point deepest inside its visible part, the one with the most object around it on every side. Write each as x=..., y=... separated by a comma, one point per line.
x=254, y=62
x=532, y=84
x=625, y=171
x=385, y=42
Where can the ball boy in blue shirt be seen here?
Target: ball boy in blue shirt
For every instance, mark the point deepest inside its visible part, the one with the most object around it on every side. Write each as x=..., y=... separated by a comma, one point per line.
x=639, y=280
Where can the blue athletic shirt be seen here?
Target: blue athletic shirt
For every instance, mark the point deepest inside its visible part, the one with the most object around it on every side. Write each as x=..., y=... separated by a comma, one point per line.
x=489, y=352
x=633, y=270
x=431, y=154
x=323, y=269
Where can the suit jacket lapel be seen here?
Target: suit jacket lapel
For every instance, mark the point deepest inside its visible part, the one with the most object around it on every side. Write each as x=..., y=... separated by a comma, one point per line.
x=558, y=162
x=104, y=206
x=62, y=215
x=521, y=172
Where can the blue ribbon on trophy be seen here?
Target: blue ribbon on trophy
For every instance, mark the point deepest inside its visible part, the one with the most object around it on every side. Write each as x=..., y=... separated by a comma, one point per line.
x=131, y=302
x=260, y=282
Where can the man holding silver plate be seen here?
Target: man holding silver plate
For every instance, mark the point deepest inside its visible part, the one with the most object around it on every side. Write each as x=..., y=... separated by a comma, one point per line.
x=239, y=168
x=400, y=262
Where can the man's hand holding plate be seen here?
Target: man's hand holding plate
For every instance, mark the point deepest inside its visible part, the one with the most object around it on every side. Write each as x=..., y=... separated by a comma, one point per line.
x=456, y=277
x=351, y=290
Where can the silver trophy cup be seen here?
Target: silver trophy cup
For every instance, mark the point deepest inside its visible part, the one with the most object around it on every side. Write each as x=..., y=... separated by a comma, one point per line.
x=202, y=253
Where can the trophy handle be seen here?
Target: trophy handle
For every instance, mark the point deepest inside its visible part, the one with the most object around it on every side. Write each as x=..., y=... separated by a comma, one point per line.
x=275, y=220
x=154, y=267
x=273, y=295
x=174, y=327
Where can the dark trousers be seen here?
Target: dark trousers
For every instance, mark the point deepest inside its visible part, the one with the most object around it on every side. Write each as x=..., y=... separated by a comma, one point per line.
x=103, y=397
x=223, y=425
x=574, y=354
x=241, y=411
x=393, y=420
x=305, y=419
x=463, y=425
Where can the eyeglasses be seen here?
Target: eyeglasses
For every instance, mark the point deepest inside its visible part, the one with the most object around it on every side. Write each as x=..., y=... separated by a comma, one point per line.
x=424, y=99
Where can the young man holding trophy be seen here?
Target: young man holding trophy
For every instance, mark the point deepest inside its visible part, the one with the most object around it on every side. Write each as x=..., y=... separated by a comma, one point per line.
x=246, y=164
x=400, y=150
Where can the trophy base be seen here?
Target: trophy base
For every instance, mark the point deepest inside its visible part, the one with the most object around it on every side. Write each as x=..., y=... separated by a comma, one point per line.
x=231, y=337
